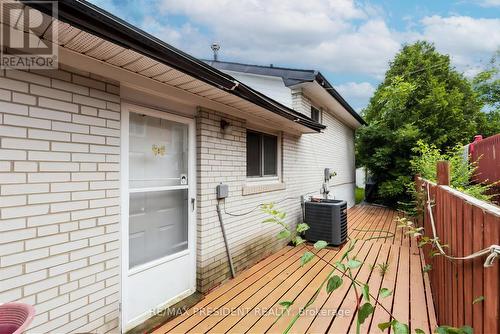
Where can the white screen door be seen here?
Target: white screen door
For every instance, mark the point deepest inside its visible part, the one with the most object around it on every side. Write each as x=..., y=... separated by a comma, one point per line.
x=159, y=258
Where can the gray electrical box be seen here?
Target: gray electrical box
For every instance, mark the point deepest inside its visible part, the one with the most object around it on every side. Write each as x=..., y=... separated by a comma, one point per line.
x=222, y=191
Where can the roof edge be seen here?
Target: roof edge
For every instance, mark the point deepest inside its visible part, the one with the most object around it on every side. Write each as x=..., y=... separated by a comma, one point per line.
x=336, y=95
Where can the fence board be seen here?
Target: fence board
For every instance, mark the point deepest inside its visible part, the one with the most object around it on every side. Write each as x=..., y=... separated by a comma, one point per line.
x=491, y=278
x=477, y=271
x=466, y=225
x=486, y=153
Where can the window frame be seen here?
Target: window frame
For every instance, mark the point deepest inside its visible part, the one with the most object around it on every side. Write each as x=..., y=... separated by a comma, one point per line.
x=320, y=114
x=265, y=178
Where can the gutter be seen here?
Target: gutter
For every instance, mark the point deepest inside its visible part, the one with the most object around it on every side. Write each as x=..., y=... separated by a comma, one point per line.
x=96, y=21
x=333, y=92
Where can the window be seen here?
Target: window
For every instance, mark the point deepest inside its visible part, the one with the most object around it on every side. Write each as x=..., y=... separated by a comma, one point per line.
x=316, y=114
x=262, y=154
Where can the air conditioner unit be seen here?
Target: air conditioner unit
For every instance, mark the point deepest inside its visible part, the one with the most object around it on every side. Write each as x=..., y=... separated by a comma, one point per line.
x=327, y=220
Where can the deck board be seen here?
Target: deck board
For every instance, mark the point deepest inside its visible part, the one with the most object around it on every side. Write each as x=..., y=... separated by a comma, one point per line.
x=250, y=302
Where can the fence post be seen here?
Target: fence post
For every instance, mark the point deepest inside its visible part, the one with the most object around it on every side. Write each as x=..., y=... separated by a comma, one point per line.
x=418, y=196
x=443, y=173
x=418, y=183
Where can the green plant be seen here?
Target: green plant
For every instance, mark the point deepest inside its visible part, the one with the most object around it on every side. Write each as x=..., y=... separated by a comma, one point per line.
x=278, y=217
x=461, y=170
x=478, y=300
x=383, y=268
x=421, y=98
x=486, y=84
x=359, y=195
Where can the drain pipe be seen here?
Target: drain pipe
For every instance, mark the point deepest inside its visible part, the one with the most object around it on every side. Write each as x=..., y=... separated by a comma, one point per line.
x=229, y=257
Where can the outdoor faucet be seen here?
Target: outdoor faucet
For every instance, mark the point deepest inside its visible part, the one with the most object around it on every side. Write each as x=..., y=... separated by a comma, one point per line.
x=325, y=189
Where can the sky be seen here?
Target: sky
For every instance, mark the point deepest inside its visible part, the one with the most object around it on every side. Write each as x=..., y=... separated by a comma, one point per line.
x=350, y=42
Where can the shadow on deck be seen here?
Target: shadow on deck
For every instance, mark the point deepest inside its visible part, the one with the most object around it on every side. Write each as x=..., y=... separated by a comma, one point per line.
x=250, y=302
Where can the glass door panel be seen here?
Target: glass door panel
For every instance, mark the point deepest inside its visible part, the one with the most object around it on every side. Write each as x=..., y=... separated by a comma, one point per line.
x=158, y=202
x=157, y=225
x=158, y=152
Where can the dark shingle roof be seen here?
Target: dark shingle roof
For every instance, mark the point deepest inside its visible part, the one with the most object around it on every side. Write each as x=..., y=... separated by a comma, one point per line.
x=290, y=76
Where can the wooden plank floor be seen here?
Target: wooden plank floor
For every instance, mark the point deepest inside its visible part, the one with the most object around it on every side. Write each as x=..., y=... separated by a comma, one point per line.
x=250, y=302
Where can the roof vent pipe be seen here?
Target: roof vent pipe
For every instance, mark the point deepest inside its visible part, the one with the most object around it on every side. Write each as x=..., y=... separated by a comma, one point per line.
x=215, y=48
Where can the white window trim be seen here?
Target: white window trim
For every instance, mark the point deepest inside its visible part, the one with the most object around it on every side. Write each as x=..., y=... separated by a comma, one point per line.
x=274, y=179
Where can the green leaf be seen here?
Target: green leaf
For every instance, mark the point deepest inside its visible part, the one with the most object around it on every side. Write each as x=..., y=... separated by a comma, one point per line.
x=427, y=268
x=269, y=220
x=298, y=240
x=478, y=300
x=284, y=234
x=453, y=330
x=384, y=325
x=433, y=253
x=442, y=330
x=364, y=311
x=384, y=292
x=302, y=227
x=419, y=331
x=286, y=304
x=466, y=330
x=333, y=283
x=422, y=243
x=366, y=292
x=308, y=256
x=353, y=263
x=400, y=328
x=320, y=244
x=340, y=265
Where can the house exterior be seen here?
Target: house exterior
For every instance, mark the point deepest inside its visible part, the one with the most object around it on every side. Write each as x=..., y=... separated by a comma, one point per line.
x=309, y=93
x=109, y=164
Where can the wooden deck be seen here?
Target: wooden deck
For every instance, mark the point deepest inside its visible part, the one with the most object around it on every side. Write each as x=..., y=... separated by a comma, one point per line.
x=250, y=302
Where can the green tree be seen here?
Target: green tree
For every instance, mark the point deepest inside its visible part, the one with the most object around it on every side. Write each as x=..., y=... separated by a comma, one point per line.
x=421, y=98
x=486, y=84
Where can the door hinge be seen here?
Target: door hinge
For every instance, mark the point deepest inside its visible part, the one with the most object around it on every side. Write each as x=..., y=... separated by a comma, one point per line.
x=193, y=201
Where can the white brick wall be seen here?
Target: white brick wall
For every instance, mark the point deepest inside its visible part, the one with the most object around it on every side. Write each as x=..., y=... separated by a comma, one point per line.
x=59, y=147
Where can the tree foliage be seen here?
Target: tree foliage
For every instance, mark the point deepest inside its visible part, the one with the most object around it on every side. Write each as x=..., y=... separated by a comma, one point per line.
x=461, y=170
x=421, y=98
x=486, y=84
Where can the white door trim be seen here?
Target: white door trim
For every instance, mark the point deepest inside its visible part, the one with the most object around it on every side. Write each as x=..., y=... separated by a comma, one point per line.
x=127, y=108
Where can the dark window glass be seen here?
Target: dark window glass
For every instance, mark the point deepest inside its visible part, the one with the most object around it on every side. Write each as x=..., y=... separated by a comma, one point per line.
x=254, y=155
x=270, y=155
x=262, y=154
x=316, y=114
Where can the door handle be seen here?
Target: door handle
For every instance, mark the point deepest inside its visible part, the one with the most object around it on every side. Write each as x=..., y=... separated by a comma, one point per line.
x=193, y=201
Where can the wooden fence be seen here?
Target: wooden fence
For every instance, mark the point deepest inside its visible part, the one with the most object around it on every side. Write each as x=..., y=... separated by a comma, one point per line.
x=466, y=225
x=486, y=153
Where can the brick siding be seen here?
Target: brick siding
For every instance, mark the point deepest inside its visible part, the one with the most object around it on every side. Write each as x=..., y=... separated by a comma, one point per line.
x=59, y=207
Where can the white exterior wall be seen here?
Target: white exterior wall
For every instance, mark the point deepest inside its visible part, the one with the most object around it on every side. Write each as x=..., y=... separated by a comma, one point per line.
x=360, y=177
x=273, y=87
x=59, y=204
